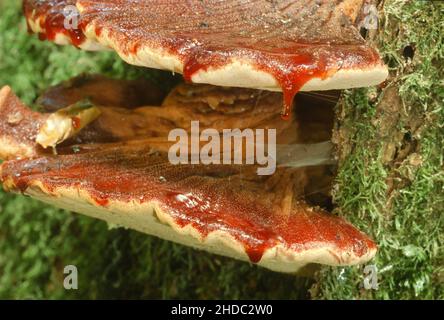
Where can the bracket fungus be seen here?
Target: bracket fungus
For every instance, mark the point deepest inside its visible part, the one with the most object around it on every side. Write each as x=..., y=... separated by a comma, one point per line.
x=285, y=46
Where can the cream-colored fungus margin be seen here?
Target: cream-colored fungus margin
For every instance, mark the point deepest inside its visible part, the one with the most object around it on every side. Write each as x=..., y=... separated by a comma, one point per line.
x=238, y=73
x=10, y=149
x=62, y=39
x=149, y=218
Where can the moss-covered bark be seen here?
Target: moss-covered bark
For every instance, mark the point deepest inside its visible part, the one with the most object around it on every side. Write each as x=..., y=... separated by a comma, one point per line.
x=390, y=184
x=391, y=148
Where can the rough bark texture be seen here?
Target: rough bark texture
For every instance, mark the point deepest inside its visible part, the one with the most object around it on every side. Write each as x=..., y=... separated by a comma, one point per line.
x=390, y=148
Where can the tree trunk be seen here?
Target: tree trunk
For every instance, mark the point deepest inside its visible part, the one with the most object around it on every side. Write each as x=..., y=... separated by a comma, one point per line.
x=390, y=143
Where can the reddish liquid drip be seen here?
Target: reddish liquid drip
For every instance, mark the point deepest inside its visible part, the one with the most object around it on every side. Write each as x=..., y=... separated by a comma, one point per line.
x=193, y=209
x=51, y=17
x=103, y=202
x=290, y=69
x=197, y=60
x=191, y=67
x=289, y=92
x=134, y=48
x=98, y=31
x=255, y=254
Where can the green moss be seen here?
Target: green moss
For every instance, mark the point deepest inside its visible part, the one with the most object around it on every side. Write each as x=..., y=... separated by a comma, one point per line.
x=401, y=201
